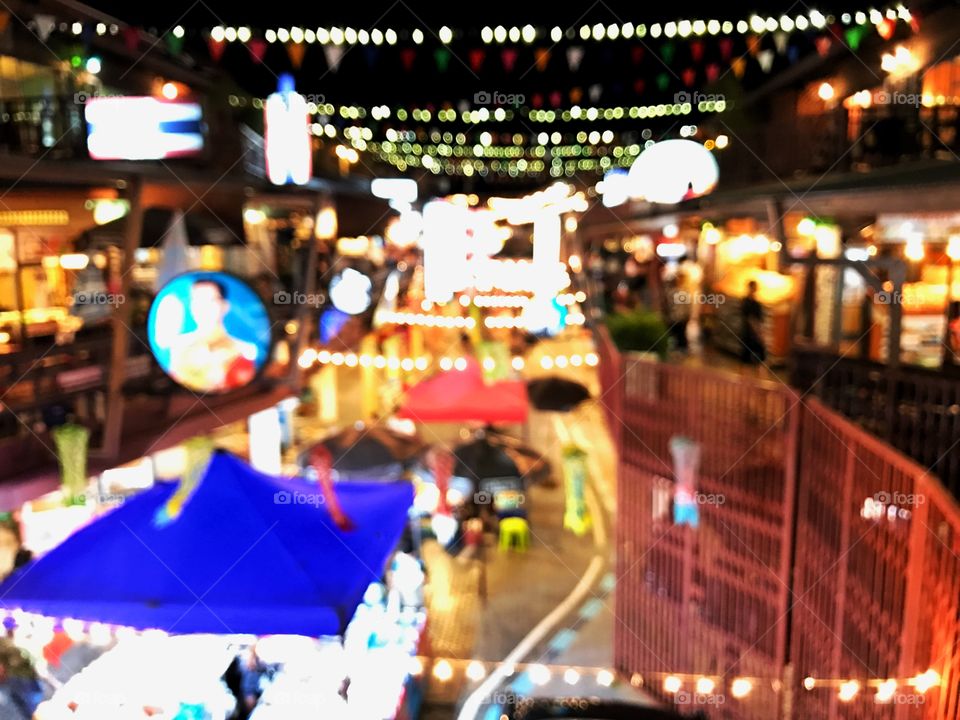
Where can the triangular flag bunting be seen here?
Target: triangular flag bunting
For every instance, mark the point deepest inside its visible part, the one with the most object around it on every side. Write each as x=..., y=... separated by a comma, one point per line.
x=296, y=51
x=765, y=58
x=726, y=48
x=689, y=77
x=174, y=44
x=663, y=81
x=333, y=53
x=216, y=48
x=45, y=25
x=537, y=100
x=576, y=95
x=713, y=72
x=407, y=56
x=696, y=50
x=258, y=49
x=739, y=66
x=556, y=98
x=753, y=44
x=596, y=90
x=574, y=57
x=131, y=38
x=542, y=58
x=667, y=52
x=442, y=57
x=824, y=43
x=854, y=36
x=476, y=59
x=780, y=40
x=509, y=58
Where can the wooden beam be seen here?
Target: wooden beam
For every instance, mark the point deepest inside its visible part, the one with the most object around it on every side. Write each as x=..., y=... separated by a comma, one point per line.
x=303, y=312
x=121, y=322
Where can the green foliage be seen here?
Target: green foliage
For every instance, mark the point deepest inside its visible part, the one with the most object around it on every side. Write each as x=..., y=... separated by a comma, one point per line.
x=639, y=331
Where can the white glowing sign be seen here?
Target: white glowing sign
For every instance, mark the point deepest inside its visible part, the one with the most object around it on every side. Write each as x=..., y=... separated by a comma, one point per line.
x=673, y=170
x=399, y=189
x=142, y=128
x=287, y=136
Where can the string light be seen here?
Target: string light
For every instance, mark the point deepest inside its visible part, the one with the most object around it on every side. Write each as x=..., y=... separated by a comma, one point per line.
x=682, y=27
x=443, y=671
x=849, y=690
x=740, y=688
x=672, y=684
x=886, y=691
x=475, y=671
x=705, y=686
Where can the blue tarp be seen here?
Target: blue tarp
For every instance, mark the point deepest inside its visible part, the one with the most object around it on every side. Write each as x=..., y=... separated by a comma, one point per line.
x=249, y=553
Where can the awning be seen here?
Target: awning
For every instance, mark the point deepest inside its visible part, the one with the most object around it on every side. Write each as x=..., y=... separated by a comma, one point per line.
x=249, y=553
x=457, y=396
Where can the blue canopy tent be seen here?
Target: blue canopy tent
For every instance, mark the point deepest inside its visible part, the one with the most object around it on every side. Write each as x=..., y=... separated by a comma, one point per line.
x=249, y=553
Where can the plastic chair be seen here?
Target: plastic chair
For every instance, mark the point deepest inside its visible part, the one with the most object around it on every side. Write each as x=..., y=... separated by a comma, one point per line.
x=514, y=534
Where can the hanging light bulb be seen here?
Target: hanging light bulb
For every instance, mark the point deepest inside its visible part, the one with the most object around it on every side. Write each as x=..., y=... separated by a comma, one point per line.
x=849, y=690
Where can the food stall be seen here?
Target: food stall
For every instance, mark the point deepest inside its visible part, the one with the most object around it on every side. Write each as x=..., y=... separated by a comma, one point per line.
x=775, y=293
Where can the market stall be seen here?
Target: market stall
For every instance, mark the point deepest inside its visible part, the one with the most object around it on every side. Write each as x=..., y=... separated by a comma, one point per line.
x=774, y=293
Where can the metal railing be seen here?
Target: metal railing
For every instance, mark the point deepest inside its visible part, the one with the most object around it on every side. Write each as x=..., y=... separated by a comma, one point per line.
x=819, y=551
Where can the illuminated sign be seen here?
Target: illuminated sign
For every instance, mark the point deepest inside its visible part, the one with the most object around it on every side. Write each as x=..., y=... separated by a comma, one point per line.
x=350, y=292
x=287, y=136
x=142, y=128
x=209, y=331
x=673, y=170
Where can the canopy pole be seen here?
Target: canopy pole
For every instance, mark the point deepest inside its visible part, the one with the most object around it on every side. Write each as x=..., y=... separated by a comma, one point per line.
x=122, y=312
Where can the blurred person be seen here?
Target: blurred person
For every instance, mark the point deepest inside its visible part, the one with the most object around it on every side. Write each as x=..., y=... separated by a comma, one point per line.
x=209, y=359
x=751, y=332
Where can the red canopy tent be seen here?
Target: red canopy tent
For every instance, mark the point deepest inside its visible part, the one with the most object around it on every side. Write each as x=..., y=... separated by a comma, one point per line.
x=456, y=396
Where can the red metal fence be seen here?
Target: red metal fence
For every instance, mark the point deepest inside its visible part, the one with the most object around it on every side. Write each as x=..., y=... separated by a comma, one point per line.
x=819, y=551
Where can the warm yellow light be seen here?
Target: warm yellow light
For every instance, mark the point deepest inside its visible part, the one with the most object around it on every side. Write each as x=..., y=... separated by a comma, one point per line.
x=169, y=91
x=570, y=224
x=807, y=226
x=672, y=684
x=546, y=362
x=74, y=261
x=253, y=216
x=571, y=676
x=605, y=678
x=740, y=687
x=953, y=247
x=705, y=686
x=809, y=683
x=914, y=249
x=885, y=691
x=825, y=91
x=517, y=363
x=476, y=671
x=849, y=690
x=925, y=681
x=712, y=235
x=325, y=224
x=443, y=671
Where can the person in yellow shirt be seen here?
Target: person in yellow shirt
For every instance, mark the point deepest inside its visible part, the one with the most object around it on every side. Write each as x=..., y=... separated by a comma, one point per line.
x=209, y=359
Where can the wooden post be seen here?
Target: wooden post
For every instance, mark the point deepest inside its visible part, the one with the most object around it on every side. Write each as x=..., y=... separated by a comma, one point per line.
x=121, y=322
x=370, y=399
x=303, y=311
